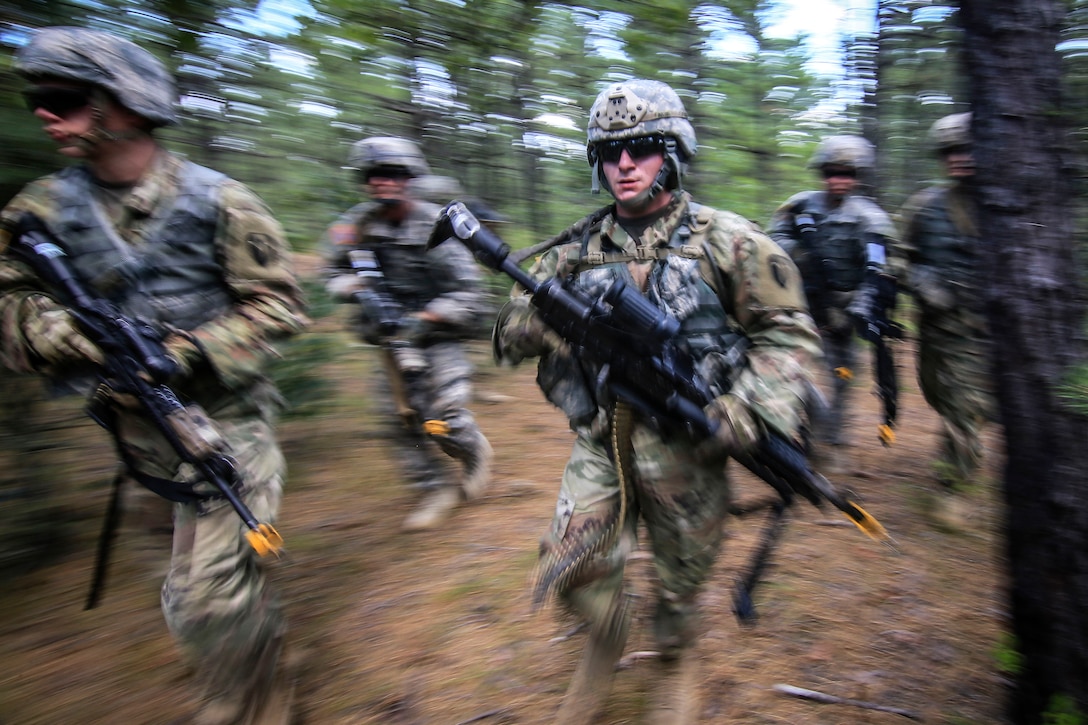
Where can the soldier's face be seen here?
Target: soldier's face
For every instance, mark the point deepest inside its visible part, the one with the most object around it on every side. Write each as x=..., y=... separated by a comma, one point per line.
x=388, y=185
x=71, y=112
x=839, y=180
x=959, y=163
x=630, y=178
x=65, y=112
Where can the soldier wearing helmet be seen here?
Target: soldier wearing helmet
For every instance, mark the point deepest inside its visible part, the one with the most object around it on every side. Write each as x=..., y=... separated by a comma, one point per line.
x=418, y=306
x=724, y=282
x=838, y=239
x=200, y=259
x=941, y=268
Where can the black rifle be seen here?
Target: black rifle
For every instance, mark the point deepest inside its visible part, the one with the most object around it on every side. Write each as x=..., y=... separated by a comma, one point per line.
x=137, y=365
x=634, y=344
x=879, y=329
x=811, y=262
x=381, y=322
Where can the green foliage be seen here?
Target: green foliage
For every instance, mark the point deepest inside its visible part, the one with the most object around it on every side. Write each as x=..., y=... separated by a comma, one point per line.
x=1007, y=655
x=1074, y=392
x=1063, y=710
x=298, y=372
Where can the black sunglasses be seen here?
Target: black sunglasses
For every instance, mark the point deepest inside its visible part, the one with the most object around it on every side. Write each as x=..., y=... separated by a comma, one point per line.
x=395, y=173
x=637, y=148
x=833, y=171
x=57, y=101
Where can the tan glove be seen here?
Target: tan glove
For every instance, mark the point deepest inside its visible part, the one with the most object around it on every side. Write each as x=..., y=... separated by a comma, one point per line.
x=182, y=347
x=519, y=333
x=738, y=428
x=56, y=340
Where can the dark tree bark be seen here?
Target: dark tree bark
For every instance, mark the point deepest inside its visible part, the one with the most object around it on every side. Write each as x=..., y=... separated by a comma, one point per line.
x=1037, y=311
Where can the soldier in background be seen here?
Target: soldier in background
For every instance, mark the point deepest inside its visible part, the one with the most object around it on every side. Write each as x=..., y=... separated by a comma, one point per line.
x=419, y=306
x=199, y=257
x=727, y=284
x=940, y=267
x=838, y=239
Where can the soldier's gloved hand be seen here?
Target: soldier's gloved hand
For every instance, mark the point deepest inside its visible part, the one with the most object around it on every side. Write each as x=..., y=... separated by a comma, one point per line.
x=861, y=307
x=55, y=338
x=342, y=287
x=738, y=428
x=838, y=321
x=183, y=350
x=414, y=328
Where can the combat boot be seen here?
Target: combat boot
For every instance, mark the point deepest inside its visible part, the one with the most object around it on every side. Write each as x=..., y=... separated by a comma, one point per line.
x=435, y=508
x=949, y=511
x=477, y=464
x=675, y=693
x=592, y=682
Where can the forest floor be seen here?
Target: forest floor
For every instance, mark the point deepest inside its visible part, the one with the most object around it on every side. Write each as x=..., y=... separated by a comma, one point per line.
x=437, y=628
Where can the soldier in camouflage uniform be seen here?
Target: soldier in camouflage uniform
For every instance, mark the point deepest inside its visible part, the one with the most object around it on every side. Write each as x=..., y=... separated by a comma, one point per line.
x=723, y=280
x=939, y=255
x=438, y=298
x=838, y=240
x=200, y=258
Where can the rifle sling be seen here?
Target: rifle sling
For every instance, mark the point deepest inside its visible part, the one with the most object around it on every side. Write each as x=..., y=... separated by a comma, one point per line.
x=102, y=411
x=110, y=522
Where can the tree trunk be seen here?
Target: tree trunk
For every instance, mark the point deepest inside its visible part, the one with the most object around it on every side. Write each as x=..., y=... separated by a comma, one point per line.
x=1036, y=308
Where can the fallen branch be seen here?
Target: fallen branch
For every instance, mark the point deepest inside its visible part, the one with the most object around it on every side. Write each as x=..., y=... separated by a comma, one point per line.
x=833, y=700
x=499, y=712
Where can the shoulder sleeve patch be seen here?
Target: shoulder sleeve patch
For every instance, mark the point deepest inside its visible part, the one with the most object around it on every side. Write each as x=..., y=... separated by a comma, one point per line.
x=263, y=249
x=777, y=283
x=342, y=235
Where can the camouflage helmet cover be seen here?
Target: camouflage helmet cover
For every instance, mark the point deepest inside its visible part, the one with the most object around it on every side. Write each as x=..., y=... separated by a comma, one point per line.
x=950, y=131
x=640, y=108
x=135, y=77
x=850, y=151
x=376, y=151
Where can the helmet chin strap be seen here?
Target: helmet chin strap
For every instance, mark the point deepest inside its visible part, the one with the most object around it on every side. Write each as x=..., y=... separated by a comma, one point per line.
x=99, y=134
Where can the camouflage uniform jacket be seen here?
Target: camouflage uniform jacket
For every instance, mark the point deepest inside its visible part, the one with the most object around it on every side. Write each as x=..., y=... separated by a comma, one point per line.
x=937, y=260
x=757, y=286
x=250, y=259
x=444, y=280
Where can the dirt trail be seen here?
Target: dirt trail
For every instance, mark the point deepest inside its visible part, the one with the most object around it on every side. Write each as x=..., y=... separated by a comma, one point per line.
x=436, y=627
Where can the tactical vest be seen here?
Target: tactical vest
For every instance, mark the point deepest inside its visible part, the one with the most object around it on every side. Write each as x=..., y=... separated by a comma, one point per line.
x=941, y=244
x=841, y=246
x=677, y=284
x=411, y=276
x=174, y=277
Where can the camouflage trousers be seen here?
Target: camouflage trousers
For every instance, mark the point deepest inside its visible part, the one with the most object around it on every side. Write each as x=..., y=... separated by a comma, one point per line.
x=439, y=390
x=955, y=376
x=683, y=502
x=840, y=354
x=216, y=598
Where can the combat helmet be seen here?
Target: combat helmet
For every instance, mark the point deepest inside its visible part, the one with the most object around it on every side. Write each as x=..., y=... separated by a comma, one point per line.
x=637, y=108
x=850, y=151
x=370, y=153
x=135, y=77
x=949, y=132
